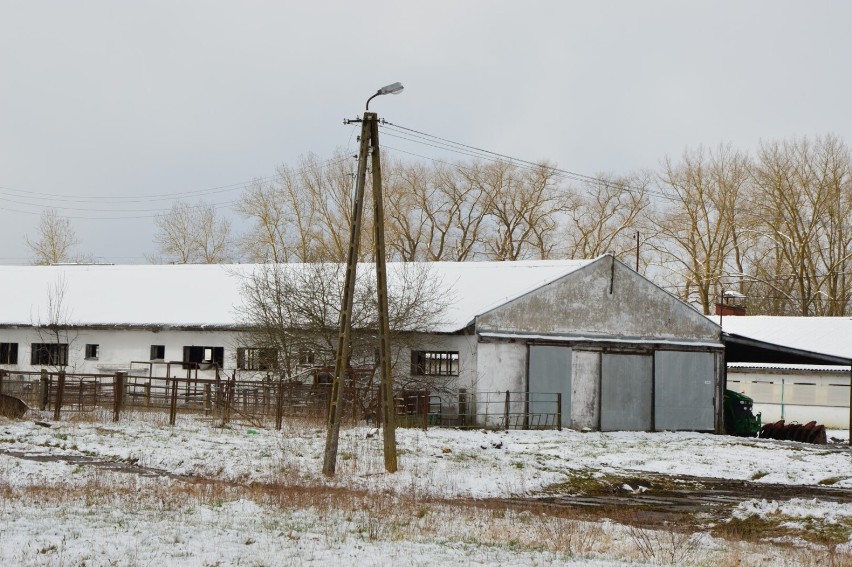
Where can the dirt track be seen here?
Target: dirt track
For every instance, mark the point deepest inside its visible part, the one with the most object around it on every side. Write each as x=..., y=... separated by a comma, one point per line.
x=662, y=498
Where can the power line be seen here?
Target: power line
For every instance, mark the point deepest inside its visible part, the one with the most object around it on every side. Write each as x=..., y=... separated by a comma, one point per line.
x=423, y=138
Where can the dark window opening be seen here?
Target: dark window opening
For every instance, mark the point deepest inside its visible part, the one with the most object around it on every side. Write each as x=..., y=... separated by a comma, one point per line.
x=307, y=357
x=158, y=352
x=257, y=358
x=49, y=354
x=203, y=356
x=434, y=363
x=8, y=353
x=92, y=351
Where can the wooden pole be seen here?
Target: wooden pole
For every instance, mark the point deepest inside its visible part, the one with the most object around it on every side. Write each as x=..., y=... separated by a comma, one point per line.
x=343, y=342
x=60, y=390
x=388, y=413
x=173, y=402
x=558, y=411
x=45, y=390
x=116, y=396
x=506, y=411
x=279, y=405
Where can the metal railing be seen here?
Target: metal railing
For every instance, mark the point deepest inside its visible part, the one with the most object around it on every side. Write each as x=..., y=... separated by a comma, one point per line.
x=262, y=402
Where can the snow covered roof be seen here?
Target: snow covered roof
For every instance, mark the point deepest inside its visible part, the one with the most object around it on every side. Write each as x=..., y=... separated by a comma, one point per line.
x=209, y=295
x=826, y=335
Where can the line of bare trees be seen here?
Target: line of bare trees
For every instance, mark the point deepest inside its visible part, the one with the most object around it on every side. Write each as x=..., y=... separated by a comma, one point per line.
x=775, y=226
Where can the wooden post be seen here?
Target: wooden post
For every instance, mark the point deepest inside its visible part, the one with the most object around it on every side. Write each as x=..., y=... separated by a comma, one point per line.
x=506, y=411
x=60, y=391
x=45, y=390
x=2, y=374
x=147, y=389
x=425, y=406
x=343, y=338
x=220, y=398
x=173, y=404
x=208, y=401
x=229, y=400
x=462, y=406
x=559, y=411
x=117, y=387
x=389, y=429
x=279, y=406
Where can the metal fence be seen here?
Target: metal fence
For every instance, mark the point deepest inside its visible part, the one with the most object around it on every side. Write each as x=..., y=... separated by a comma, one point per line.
x=268, y=402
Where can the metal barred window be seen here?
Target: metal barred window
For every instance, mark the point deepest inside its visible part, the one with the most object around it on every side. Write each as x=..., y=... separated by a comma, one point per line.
x=434, y=363
x=49, y=354
x=8, y=353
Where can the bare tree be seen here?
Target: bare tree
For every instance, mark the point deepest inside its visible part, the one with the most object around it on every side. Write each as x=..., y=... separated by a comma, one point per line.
x=295, y=309
x=55, y=332
x=55, y=241
x=601, y=213
x=803, y=211
x=696, y=227
x=193, y=234
x=522, y=207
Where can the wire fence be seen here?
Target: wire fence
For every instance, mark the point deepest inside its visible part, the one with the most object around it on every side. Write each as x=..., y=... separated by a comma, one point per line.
x=271, y=402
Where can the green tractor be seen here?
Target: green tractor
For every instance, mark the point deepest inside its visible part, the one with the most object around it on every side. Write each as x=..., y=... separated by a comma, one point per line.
x=739, y=419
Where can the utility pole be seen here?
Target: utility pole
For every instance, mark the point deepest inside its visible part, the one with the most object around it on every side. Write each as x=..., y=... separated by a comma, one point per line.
x=369, y=144
x=637, y=251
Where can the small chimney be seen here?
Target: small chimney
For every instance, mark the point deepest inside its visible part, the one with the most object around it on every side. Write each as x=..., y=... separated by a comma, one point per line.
x=731, y=304
x=726, y=309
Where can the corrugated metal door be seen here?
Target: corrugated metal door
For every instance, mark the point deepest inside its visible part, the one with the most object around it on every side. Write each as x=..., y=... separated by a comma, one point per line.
x=684, y=390
x=626, y=392
x=549, y=373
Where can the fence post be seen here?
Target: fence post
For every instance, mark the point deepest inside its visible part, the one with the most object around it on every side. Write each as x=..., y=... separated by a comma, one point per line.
x=2, y=374
x=173, y=404
x=60, y=390
x=229, y=399
x=147, y=389
x=425, y=406
x=279, y=405
x=45, y=390
x=116, y=396
x=559, y=411
x=219, y=398
x=506, y=411
x=462, y=406
x=208, y=401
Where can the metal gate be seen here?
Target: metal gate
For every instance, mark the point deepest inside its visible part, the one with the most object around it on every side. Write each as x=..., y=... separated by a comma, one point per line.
x=626, y=392
x=684, y=390
x=550, y=372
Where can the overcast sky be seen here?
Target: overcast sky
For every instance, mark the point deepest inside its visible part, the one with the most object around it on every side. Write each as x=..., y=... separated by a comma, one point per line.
x=111, y=110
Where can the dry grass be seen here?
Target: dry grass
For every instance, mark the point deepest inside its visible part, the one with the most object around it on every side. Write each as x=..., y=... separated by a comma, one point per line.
x=560, y=532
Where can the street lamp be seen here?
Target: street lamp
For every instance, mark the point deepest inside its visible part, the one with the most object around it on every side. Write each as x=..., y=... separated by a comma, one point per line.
x=393, y=88
x=369, y=149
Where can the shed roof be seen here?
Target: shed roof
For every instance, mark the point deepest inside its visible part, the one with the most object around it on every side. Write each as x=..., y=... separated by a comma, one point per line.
x=201, y=295
x=788, y=340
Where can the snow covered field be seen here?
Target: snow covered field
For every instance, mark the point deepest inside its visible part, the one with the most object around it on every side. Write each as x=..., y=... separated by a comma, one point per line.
x=139, y=492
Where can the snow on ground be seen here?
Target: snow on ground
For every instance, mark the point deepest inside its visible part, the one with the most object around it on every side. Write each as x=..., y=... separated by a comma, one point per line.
x=68, y=511
x=440, y=462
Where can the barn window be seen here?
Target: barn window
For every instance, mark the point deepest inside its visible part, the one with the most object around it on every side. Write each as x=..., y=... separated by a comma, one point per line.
x=307, y=357
x=203, y=355
x=92, y=352
x=158, y=352
x=49, y=354
x=434, y=363
x=8, y=353
x=257, y=358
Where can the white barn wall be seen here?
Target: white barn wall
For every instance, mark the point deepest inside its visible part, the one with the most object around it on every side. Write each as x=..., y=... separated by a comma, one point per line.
x=118, y=347
x=795, y=395
x=501, y=366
